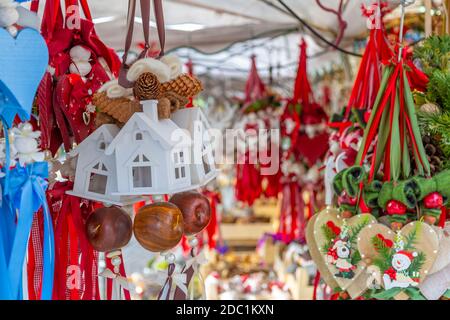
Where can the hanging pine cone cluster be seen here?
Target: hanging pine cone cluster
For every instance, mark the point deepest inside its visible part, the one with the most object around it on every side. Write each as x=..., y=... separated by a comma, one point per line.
x=434, y=153
x=147, y=87
x=184, y=85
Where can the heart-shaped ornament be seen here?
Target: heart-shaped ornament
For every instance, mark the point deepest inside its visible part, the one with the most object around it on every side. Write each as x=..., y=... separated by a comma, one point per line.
x=23, y=62
x=337, y=241
x=400, y=260
x=312, y=149
x=314, y=251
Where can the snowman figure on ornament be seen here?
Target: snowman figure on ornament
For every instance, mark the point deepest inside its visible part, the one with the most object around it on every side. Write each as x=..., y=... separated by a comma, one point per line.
x=398, y=275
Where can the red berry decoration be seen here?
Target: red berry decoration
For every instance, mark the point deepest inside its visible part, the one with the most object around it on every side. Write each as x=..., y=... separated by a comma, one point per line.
x=395, y=207
x=433, y=200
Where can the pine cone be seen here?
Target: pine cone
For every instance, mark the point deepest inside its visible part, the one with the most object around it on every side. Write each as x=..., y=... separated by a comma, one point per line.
x=184, y=85
x=121, y=109
x=147, y=87
x=434, y=153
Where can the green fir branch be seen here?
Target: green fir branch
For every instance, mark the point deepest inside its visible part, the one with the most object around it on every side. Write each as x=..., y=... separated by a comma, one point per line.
x=434, y=53
x=329, y=237
x=411, y=238
x=355, y=230
x=383, y=260
x=417, y=263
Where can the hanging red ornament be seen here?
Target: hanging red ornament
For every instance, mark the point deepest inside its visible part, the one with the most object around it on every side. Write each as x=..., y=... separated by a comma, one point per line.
x=108, y=228
x=195, y=209
x=395, y=207
x=433, y=200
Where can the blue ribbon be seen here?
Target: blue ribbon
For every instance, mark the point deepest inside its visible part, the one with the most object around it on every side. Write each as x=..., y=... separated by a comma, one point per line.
x=26, y=193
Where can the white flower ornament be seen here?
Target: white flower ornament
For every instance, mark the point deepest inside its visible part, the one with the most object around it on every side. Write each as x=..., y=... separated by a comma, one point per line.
x=25, y=141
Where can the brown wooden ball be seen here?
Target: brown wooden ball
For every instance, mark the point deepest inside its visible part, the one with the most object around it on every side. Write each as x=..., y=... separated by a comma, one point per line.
x=158, y=226
x=108, y=229
x=195, y=208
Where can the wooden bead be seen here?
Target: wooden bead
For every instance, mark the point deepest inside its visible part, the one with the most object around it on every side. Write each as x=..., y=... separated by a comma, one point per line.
x=195, y=208
x=347, y=214
x=158, y=226
x=396, y=225
x=108, y=229
x=164, y=110
x=430, y=219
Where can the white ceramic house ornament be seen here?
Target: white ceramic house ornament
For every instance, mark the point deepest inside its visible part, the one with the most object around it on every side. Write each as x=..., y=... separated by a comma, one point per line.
x=202, y=165
x=151, y=155
x=95, y=175
x=147, y=156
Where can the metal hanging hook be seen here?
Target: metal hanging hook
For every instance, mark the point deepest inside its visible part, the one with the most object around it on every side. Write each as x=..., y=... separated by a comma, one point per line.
x=403, y=4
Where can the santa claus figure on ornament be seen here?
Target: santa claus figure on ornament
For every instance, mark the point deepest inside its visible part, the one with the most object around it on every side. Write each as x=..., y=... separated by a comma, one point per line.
x=339, y=256
x=398, y=275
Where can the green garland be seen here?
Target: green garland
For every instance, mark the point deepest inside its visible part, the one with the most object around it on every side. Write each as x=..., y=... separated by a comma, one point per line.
x=437, y=125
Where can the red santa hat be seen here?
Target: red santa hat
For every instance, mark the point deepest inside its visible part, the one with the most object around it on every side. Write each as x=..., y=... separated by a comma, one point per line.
x=409, y=255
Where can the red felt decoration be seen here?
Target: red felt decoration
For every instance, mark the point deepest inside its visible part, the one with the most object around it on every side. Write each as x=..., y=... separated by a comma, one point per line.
x=312, y=149
x=255, y=88
x=76, y=262
x=63, y=102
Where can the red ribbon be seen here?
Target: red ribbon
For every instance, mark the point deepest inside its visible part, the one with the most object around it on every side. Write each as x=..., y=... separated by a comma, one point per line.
x=190, y=67
x=109, y=281
x=443, y=217
x=316, y=284
x=368, y=79
x=212, y=230
x=72, y=249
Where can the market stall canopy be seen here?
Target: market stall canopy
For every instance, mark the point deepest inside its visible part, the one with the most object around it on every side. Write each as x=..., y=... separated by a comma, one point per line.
x=205, y=29
x=211, y=26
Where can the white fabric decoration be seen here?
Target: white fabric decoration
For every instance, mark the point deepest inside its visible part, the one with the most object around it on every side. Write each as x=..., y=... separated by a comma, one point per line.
x=114, y=90
x=8, y=16
x=25, y=142
x=161, y=70
x=80, y=53
x=174, y=64
x=80, y=67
